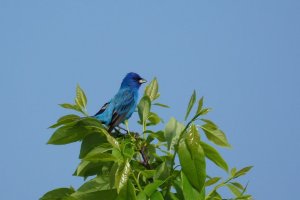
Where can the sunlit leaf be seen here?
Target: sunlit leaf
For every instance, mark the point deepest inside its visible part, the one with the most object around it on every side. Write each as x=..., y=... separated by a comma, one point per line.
x=151, y=90
x=58, y=194
x=172, y=132
x=122, y=175
x=191, y=104
x=213, y=155
x=189, y=192
x=192, y=159
x=214, y=134
x=212, y=181
x=80, y=99
x=70, y=106
x=242, y=172
x=234, y=189
x=200, y=105
x=65, y=120
x=144, y=109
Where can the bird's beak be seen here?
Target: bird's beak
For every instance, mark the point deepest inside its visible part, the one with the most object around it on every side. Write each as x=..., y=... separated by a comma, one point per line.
x=141, y=81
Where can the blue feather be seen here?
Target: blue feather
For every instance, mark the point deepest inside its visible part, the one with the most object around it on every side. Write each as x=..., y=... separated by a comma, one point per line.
x=123, y=104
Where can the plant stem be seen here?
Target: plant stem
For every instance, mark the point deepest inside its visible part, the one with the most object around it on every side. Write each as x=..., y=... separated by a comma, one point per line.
x=137, y=182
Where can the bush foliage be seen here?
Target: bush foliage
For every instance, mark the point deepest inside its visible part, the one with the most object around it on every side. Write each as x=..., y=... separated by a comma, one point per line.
x=164, y=164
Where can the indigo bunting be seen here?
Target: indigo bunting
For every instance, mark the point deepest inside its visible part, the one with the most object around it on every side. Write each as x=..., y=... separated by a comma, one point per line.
x=123, y=104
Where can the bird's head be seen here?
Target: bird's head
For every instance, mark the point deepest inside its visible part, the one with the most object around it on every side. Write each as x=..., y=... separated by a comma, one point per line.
x=132, y=80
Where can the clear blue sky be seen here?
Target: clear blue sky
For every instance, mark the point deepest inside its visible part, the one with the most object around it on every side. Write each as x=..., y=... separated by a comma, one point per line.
x=243, y=56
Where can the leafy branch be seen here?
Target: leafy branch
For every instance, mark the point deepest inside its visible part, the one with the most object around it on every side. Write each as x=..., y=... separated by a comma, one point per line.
x=152, y=164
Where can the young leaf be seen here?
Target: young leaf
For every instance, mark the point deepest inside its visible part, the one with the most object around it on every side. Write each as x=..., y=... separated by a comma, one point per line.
x=214, y=195
x=65, y=120
x=234, y=189
x=192, y=159
x=80, y=99
x=200, y=105
x=191, y=104
x=161, y=105
x=172, y=132
x=153, y=119
x=151, y=90
x=70, y=106
x=238, y=185
x=242, y=171
x=212, y=181
x=122, y=175
x=58, y=194
x=214, y=134
x=213, y=155
x=144, y=109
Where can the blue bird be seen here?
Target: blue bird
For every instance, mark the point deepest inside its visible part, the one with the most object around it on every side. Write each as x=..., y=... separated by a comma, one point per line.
x=123, y=104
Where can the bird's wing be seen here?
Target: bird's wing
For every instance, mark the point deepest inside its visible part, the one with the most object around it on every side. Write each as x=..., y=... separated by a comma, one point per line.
x=124, y=102
x=103, y=108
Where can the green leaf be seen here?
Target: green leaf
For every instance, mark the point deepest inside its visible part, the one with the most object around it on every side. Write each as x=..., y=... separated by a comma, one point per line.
x=213, y=155
x=161, y=105
x=191, y=104
x=242, y=171
x=204, y=111
x=103, y=194
x=97, y=156
x=232, y=171
x=71, y=107
x=91, y=141
x=214, y=134
x=162, y=172
x=149, y=189
x=96, y=184
x=128, y=192
x=156, y=135
x=153, y=119
x=200, y=105
x=58, y=194
x=234, y=190
x=245, y=197
x=80, y=99
x=122, y=175
x=151, y=90
x=144, y=109
x=110, y=139
x=189, y=192
x=212, y=181
x=156, y=196
x=172, y=132
x=65, y=120
x=214, y=196
x=238, y=185
x=87, y=168
x=67, y=134
x=192, y=159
